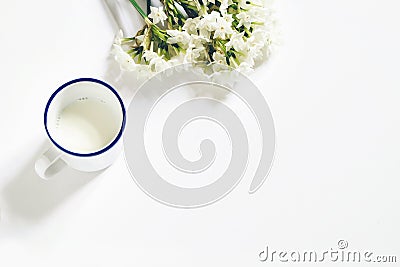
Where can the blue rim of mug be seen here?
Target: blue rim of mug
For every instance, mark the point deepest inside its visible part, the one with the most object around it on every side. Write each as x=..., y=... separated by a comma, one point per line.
x=116, y=139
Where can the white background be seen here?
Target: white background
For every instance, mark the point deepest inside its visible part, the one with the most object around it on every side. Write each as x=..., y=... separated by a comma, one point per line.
x=333, y=88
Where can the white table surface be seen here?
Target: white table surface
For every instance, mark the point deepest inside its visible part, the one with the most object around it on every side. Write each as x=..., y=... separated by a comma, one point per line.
x=334, y=91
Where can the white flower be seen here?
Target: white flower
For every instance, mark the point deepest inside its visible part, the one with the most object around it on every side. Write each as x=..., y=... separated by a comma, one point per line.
x=244, y=19
x=237, y=42
x=194, y=54
x=157, y=14
x=190, y=25
x=219, y=58
x=156, y=62
x=208, y=24
x=159, y=64
x=118, y=37
x=178, y=37
x=223, y=28
x=177, y=60
x=258, y=37
x=197, y=41
x=213, y=16
x=243, y=4
x=149, y=55
x=257, y=2
x=223, y=8
x=223, y=24
x=125, y=61
x=229, y=19
x=245, y=67
x=196, y=51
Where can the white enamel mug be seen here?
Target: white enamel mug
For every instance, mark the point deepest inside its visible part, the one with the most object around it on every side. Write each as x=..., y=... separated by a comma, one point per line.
x=84, y=120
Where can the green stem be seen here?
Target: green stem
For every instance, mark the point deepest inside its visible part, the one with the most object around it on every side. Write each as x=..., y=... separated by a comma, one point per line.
x=138, y=8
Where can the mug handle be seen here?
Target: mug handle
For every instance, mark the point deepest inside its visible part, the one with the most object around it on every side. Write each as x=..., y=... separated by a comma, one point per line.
x=49, y=163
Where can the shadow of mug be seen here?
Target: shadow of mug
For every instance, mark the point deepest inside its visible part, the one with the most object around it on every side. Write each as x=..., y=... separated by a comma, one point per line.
x=29, y=198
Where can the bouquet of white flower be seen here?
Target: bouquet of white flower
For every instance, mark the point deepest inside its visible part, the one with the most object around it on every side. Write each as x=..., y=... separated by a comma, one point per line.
x=234, y=33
